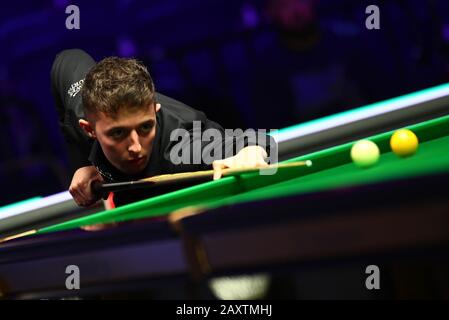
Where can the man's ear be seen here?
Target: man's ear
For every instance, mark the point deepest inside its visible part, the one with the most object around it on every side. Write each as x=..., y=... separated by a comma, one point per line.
x=158, y=107
x=86, y=126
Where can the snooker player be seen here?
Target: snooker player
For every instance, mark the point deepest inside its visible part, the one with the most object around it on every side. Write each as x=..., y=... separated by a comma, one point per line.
x=117, y=127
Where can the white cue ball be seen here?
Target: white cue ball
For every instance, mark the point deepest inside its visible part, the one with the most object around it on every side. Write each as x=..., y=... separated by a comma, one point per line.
x=365, y=153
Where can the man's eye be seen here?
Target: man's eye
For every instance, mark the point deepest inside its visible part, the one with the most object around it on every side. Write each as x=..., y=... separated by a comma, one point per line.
x=145, y=128
x=116, y=134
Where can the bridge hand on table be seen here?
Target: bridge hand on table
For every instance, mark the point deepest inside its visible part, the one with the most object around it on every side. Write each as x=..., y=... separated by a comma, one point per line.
x=248, y=157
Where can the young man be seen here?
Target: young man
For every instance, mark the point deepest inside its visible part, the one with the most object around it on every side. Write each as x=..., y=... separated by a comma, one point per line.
x=118, y=128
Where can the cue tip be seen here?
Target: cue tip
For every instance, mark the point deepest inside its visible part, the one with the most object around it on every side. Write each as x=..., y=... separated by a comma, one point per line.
x=309, y=163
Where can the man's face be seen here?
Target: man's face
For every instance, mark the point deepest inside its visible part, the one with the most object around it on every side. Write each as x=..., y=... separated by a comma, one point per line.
x=127, y=139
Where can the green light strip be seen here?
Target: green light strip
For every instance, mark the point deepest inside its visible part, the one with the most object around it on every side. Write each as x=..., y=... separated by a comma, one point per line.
x=357, y=114
x=17, y=205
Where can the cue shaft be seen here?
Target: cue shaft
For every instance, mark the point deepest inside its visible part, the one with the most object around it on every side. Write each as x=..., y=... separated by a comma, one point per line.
x=234, y=172
x=102, y=189
x=20, y=235
x=225, y=172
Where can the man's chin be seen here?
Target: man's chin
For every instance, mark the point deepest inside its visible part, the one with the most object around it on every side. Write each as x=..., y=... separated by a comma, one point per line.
x=133, y=169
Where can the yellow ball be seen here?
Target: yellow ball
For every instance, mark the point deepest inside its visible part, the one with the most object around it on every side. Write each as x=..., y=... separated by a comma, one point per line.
x=404, y=143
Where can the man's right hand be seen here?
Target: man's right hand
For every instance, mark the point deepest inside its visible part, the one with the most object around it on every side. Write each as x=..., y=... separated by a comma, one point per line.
x=80, y=187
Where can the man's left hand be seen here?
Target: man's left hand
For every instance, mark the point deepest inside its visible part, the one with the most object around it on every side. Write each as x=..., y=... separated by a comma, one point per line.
x=248, y=157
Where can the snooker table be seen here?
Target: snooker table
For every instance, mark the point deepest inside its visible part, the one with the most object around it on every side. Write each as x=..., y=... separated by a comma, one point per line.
x=395, y=213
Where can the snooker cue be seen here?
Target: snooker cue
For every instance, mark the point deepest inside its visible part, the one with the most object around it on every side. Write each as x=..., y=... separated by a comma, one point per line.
x=20, y=235
x=167, y=178
x=225, y=172
x=102, y=189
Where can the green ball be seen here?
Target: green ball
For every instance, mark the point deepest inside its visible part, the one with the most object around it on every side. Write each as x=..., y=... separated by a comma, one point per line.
x=365, y=153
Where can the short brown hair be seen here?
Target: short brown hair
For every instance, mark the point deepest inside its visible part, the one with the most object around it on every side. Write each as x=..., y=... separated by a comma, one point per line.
x=115, y=84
